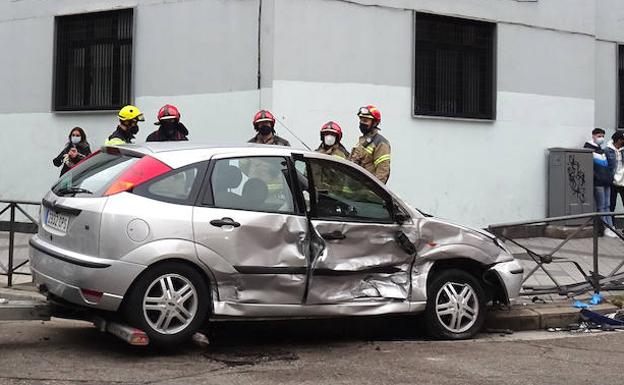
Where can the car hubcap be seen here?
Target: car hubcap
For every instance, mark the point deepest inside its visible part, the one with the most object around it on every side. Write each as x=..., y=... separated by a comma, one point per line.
x=170, y=303
x=457, y=306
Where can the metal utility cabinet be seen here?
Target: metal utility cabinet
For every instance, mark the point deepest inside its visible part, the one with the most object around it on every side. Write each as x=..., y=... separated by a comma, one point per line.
x=570, y=181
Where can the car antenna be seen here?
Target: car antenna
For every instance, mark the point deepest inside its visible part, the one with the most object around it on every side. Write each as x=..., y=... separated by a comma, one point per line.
x=292, y=133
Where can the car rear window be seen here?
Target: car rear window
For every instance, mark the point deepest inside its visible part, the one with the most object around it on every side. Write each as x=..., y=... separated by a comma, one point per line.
x=93, y=176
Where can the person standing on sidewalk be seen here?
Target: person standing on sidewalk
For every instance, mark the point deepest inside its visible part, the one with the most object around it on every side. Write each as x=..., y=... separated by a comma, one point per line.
x=170, y=129
x=616, y=166
x=372, y=150
x=331, y=136
x=602, y=177
x=129, y=118
x=76, y=149
x=264, y=124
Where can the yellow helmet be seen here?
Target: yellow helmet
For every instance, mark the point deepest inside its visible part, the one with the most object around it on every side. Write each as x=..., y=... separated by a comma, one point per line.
x=130, y=113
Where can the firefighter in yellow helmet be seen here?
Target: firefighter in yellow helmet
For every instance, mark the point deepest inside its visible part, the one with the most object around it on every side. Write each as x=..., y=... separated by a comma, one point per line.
x=129, y=118
x=372, y=150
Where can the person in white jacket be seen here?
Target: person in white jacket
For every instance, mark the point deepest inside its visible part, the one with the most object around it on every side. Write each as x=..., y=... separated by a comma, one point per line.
x=615, y=159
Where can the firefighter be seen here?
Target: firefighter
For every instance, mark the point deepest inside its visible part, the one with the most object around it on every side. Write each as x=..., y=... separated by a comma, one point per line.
x=264, y=124
x=129, y=118
x=170, y=128
x=331, y=134
x=372, y=150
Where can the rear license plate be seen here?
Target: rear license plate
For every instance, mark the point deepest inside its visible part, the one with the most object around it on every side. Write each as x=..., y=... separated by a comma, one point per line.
x=57, y=221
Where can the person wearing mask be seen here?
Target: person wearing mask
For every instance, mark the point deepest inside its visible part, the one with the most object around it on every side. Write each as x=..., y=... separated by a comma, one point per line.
x=75, y=150
x=331, y=135
x=602, y=177
x=129, y=118
x=372, y=150
x=264, y=124
x=616, y=167
x=170, y=128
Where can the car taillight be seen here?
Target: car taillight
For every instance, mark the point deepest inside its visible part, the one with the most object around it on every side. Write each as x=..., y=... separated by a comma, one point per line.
x=142, y=171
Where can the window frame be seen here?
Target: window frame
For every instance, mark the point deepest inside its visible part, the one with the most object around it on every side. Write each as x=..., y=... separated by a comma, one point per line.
x=420, y=113
x=313, y=214
x=206, y=194
x=191, y=200
x=57, y=68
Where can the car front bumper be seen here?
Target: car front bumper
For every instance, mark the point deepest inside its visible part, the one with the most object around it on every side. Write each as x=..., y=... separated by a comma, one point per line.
x=510, y=275
x=75, y=278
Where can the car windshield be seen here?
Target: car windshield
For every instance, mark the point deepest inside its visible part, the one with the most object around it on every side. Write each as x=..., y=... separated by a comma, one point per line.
x=92, y=177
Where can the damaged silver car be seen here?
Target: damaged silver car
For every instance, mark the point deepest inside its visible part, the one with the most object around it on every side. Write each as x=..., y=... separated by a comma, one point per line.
x=169, y=235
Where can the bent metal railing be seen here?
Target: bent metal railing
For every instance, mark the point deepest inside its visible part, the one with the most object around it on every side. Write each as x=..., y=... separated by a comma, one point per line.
x=12, y=226
x=614, y=280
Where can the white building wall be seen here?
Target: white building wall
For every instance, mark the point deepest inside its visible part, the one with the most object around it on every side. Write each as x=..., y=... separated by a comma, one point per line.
x=320, y=60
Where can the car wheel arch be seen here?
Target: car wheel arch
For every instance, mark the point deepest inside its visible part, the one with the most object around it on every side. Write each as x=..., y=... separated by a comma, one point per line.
x=494, y=288
x=206, y=275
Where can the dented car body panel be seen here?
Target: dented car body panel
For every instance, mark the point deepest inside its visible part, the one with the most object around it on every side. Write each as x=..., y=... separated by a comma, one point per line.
x=316, y=252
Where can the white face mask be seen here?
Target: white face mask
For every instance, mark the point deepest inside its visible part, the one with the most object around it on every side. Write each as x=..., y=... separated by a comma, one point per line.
x=329, y=140
x=75, y=139
x=599, y=141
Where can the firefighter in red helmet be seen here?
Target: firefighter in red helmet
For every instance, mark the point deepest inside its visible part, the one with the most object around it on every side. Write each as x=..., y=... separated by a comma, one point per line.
x=331, y=135
x=264, y=124
x=170, y=128
x=372, y=150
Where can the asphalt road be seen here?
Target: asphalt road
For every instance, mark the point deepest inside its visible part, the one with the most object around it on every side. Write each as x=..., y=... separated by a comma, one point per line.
x=307, y=352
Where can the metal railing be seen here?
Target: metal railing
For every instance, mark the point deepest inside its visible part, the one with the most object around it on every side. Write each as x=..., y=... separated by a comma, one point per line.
x=614, y=280
x=12, y=226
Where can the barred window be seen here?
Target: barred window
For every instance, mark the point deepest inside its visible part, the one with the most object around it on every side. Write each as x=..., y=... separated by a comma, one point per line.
x=93, y=66
x=454, y=67
x=621, y=86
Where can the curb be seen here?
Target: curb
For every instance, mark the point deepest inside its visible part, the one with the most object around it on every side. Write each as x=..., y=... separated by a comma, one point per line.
x=522, y=318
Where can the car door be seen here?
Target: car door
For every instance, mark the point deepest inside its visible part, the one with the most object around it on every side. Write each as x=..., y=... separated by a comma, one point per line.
x=250, y=232
x=359, y=254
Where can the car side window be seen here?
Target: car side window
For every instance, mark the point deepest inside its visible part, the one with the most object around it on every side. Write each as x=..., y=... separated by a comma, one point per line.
x=253, y=183
x=341, y=192
x=173, y=187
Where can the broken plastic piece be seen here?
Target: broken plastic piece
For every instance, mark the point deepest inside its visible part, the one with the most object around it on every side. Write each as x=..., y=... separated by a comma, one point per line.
x=595, y=299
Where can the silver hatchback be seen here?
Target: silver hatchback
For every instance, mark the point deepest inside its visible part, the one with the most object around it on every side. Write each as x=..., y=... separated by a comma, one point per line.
x=169, y=235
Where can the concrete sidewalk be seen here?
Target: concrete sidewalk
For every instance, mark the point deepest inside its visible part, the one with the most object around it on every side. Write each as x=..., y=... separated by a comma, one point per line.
x=549, y=311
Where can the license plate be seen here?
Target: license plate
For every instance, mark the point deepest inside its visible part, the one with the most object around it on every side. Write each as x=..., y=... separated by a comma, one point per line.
x=57, y=221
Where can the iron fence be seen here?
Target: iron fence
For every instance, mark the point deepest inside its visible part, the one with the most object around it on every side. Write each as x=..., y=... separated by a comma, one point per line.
x=12, y=226
x=613, y=280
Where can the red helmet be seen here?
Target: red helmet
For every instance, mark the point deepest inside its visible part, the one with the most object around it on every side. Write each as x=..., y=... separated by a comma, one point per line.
x=370, y=111
x=263, y=116
x=168, y=112
x=331, y=127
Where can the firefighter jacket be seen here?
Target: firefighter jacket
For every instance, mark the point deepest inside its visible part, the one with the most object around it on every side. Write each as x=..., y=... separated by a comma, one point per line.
x=335, y=150
x=373, y=153
x=276, y=140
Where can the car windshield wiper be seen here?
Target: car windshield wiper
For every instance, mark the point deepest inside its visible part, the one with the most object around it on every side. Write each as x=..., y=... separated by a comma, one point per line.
x=73, y=190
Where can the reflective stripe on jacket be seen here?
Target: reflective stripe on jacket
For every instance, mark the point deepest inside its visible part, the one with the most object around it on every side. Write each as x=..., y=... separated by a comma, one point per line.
x=373, y=153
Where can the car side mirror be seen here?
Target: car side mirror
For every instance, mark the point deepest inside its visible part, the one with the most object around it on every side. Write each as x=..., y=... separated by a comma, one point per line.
x=400, y=216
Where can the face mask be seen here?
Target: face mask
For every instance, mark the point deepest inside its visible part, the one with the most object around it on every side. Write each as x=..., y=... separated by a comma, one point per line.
x=599, y=141
x=169, y=128
x=75, y=139
x=364, y=128
x=329, y=140
x=265, y=130
x=134, y=130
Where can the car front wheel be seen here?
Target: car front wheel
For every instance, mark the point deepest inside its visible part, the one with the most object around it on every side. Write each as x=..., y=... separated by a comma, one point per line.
x=169, y=303
x=455, y=305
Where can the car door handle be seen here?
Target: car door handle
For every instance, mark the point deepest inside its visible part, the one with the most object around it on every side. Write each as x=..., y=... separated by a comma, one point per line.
x=333, y=235
x=224, y=222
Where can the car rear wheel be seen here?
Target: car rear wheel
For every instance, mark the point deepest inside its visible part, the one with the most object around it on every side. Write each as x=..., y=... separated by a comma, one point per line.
x=169, y=302
x=455, y=305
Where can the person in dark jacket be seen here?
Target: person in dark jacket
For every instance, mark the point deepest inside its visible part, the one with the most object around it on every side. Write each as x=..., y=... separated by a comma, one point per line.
x=170, y=128
x=602, y=177
x=264, y=124
x=75, y=150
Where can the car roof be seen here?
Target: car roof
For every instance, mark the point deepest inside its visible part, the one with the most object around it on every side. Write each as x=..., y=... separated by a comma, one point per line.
x=178, y=154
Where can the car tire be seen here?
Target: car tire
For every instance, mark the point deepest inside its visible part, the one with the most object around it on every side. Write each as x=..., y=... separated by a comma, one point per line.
x=455, y=305
x=169, y=302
